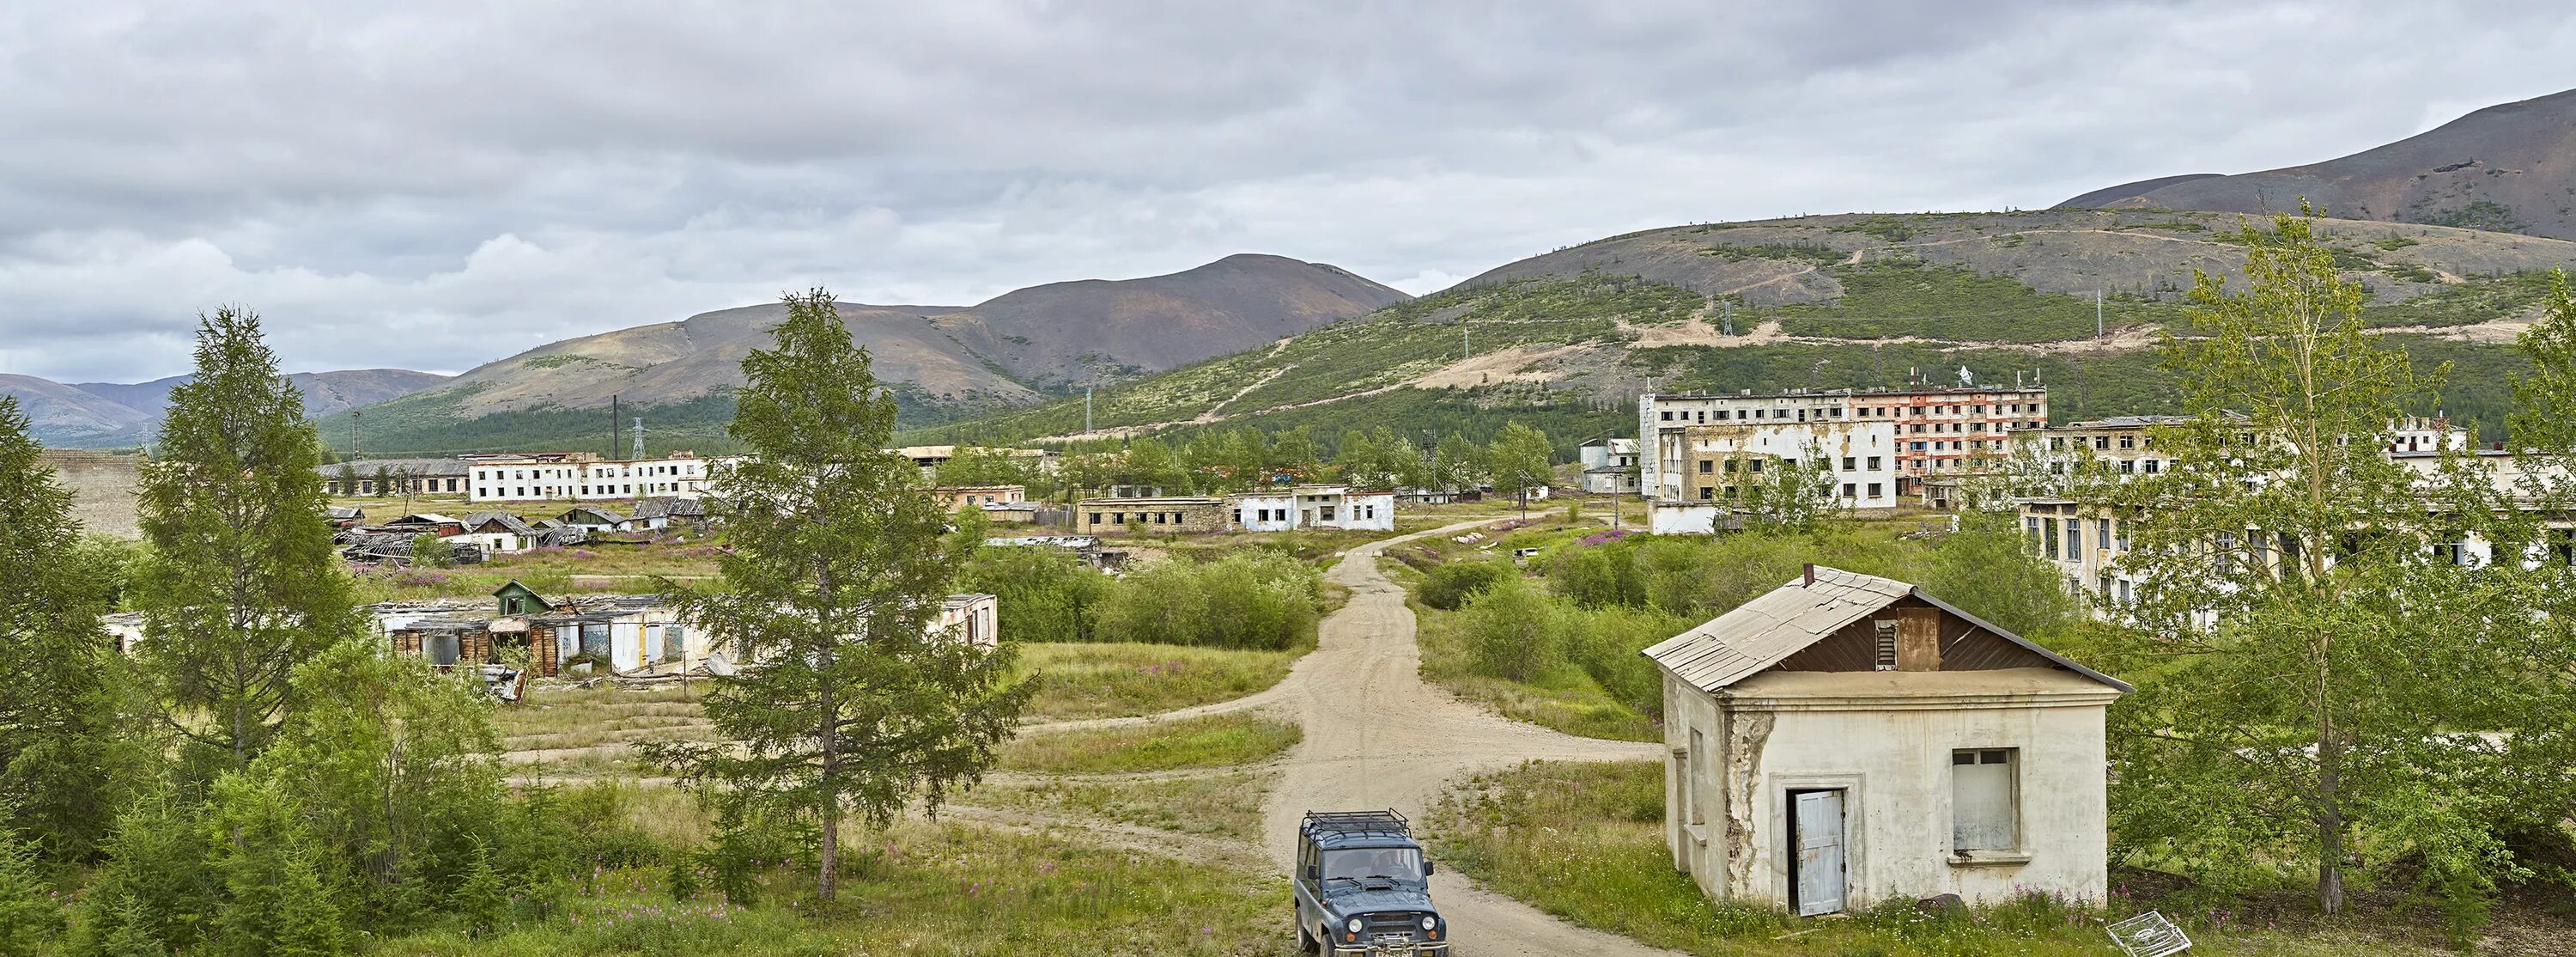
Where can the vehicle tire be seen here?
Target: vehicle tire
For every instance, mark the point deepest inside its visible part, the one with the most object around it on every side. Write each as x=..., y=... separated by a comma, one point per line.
x=1306, y=942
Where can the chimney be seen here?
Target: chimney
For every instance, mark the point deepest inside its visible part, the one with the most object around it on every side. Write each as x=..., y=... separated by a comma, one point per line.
x=1811, y=574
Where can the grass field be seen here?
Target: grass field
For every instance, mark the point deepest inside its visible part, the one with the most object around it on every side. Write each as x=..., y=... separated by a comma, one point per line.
x=1208, y=742
x=927, y=889
x=1123, y=679
x=1223, y=804
x=1585, y=842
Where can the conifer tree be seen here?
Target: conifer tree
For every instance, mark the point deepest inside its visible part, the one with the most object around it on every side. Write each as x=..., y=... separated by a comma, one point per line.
x=63, y=746
x=2318, y=636
x=30, y=917
x=852, y=704
x=242, y=581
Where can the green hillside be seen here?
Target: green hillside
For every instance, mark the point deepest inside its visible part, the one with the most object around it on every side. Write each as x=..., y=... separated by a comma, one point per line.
x=1569, y=338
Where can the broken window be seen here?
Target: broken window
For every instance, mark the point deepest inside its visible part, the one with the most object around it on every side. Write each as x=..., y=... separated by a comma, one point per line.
x=1984, y=806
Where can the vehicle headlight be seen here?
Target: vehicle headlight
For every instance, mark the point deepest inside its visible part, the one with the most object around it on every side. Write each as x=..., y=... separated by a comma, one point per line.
x=1353, y=926
x=1429, y=922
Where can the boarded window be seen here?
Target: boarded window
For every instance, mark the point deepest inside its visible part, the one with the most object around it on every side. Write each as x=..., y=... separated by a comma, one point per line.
x=1984, y=811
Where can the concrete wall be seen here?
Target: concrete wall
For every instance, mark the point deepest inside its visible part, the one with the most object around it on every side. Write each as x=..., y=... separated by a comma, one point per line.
x=1894, y=763
x=1264, y=513
x=102, y=486
x=1670, y=518
x=1189, y=517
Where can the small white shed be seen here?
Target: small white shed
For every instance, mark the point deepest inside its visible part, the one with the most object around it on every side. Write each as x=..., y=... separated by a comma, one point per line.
x=1846, y=739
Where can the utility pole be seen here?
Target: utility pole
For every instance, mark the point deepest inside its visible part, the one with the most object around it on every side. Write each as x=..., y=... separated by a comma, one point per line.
x=354, y=431
x=1086, y=410
x=612, y=428
x=1463, y=351
x=2097, y=313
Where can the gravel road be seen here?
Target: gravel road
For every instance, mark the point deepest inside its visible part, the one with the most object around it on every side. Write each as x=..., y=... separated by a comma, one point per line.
x=1378, y=737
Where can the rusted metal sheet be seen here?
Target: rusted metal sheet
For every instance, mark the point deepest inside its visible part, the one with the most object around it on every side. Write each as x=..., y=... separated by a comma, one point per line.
x=1918, y=638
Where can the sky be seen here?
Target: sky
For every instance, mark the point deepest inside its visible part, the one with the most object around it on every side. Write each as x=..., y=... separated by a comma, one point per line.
x=433, y=186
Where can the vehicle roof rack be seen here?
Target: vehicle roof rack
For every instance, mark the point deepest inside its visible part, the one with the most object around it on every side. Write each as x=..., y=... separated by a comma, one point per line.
x=1350, y=822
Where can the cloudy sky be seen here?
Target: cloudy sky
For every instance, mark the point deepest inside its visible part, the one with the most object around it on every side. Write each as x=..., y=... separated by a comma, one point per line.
x=395, y=185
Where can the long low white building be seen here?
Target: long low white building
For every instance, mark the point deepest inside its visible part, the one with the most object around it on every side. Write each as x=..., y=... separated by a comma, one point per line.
x=580, y=477
x=1314, y=506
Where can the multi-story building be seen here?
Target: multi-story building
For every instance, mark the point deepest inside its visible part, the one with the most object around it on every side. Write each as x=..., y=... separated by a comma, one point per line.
x=1609, y=466
x=1860, y=457
x=2122, y=442
x=1935, y=430
x=582, y=477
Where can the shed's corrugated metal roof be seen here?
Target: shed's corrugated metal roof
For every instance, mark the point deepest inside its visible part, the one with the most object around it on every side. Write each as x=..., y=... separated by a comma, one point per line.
x=1785, y=620
x=1779, y=623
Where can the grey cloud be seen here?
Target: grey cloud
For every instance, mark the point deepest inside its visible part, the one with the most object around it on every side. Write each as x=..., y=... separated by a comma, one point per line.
x=439, y=187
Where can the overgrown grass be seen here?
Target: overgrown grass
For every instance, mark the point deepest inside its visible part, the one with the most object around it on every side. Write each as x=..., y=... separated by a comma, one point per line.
x=1223, y=804
x=1585, y=842
x=1113, y=680
x=1209, y=742
x=585, y=717
x=946, y=890
x=1564, y=698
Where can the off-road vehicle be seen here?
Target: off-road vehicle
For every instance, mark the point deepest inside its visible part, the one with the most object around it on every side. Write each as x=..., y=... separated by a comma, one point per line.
x=1363, y=887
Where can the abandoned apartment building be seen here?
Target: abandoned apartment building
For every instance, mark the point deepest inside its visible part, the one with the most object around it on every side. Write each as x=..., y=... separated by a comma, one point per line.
x=1846, y=740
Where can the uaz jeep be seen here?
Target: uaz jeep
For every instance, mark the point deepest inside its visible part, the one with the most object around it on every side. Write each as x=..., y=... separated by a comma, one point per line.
x=1363, y=887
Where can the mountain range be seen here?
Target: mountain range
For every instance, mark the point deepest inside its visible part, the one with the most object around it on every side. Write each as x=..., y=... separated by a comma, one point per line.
x=1016, y=349
x=96, y=414
x=2508, y=168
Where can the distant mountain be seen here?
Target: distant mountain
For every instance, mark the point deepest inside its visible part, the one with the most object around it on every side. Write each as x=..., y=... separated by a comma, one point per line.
x=1013, y=350
x=98, y=414
x=1566, y=339
x=2508, y=168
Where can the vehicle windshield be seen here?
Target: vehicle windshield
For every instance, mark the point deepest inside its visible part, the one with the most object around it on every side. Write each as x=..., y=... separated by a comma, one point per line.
x=1400, y=863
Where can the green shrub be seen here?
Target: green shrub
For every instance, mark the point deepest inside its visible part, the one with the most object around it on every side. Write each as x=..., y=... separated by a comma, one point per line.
x=1257, y=599
x=29, y=916
x=1512, y=631
x=1448, y=587
x=155, y=889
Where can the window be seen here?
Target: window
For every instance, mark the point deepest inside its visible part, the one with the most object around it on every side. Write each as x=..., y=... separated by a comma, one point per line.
x=2128, y=441
x=1707, y=492
x=2151, y=466
x=1984, y=806
x=2074, y=538
x=2049, y=527
x=1851, y=464
x=1696, y=757
x=1848, y=490
x=1886, y=645
x=1706, y=466
x=1095, y=518
x=1873, y=463
x=1873, y=489
x=1755, y=465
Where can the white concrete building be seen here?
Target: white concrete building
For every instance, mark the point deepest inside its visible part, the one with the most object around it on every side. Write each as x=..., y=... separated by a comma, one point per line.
x=1846, y=740
x=1941, y=430
x=579, y=477
x=971, y=618
x=1609, y=466
x=1313, y=506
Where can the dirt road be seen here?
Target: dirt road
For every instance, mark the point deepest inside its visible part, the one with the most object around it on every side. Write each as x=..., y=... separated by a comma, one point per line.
x=1378, y=737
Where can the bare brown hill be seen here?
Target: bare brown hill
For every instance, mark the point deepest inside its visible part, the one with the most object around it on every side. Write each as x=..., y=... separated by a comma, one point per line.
x=2510, y=168
x=1000, y=353
x=1093, y=330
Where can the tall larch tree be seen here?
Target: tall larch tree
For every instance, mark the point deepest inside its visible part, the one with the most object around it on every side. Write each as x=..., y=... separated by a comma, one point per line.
x=2313, y=632
x=852, y=702
x=1519, y=459
x=65, y=752
x=241, y=582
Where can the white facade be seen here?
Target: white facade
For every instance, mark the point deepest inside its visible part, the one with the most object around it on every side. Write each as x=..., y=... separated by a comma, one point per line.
x=1940, y=430
x=1845, y=740
x=1609, y=466
x=1715, y=462
x=575, y=478
x=1313, y=506
x=974, y=619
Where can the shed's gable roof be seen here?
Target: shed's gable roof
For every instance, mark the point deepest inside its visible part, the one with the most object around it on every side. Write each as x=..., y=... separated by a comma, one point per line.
x=1786, y=620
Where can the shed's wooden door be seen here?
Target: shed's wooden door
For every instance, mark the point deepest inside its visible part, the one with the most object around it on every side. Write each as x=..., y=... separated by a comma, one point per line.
x=1817, y=820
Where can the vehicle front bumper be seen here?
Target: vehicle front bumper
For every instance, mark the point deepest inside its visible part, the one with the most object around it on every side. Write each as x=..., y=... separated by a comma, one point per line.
x=1428, y=948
